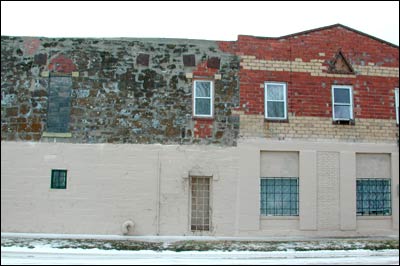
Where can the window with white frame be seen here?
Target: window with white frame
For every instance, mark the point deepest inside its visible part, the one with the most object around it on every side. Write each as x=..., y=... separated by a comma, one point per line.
x=203, y=98
x=275, y=101
x=396, y=94
x=342, y=102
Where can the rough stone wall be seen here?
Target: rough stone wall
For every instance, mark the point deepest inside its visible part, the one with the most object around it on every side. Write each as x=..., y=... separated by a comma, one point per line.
x=123, y=90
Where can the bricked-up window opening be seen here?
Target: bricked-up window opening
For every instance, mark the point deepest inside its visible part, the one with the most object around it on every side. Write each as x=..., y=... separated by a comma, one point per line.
x=373, y=197
x=279, y=196
x=203, y=98
x=275, y=101
x=59, y=104
x=396, y=95
x=200, y=214
x=189, y=60
x=342, y=103
x=59, y=179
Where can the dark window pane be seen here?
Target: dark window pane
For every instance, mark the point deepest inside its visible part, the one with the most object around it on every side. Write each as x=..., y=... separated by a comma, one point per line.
x=342, y=111
x=59, y=179
x=203, y=107
x=341, y=95
x=276, y=109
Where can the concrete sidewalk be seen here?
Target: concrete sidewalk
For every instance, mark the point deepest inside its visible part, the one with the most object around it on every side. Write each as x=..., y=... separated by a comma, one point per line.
x=154, y=238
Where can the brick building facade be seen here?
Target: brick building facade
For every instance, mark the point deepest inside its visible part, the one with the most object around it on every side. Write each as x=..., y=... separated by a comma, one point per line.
x=261, y=136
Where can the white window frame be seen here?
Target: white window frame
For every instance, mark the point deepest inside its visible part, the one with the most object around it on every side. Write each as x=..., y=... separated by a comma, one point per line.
x=211, y=98
x=284, y=100
x=350, y=89
x=396, y=97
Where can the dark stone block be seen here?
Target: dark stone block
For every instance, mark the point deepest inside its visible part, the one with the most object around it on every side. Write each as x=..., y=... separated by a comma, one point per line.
x=143, y=59
x=213, y=62
x=40, y=59
x=12, y=111
x=189, y=60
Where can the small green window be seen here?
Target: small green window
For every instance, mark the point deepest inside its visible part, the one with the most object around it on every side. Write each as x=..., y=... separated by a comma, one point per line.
x=59, y=179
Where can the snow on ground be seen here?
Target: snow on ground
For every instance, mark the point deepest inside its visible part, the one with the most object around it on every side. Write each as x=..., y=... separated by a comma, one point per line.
x=58, y=249
x=52, y=256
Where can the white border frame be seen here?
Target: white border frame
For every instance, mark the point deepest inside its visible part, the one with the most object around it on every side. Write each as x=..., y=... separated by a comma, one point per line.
x=396, y=103
x=350, y=88
x=211, y=98
x=266, y=100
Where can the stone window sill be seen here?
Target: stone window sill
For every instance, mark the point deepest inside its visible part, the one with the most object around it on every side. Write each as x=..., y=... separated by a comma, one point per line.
x=56, y=135
x=378, y=217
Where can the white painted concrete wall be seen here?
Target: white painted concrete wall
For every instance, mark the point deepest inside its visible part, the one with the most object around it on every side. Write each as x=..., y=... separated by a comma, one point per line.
x=108, y=184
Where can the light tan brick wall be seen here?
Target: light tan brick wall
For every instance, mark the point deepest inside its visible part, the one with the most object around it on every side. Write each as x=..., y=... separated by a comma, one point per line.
x=328, y=190
x=314, y=67
x=315, y=128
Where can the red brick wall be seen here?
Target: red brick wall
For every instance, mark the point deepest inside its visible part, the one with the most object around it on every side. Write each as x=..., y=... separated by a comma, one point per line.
x=311, y=95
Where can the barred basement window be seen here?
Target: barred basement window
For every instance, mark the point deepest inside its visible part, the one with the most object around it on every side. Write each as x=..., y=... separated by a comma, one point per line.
x=373, y=197
x=279, y=196
x=59, y=179
x=200, y=218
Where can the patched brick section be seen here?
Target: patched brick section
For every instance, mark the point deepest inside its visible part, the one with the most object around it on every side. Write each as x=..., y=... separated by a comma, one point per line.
x=62, y=64
x=377, y=71
x=202, y=70
x=203, y=128
x=224, y=125
x=316, y=67
x=318, y=128
x=252, y=126
x=328, y=191
x=31, y=45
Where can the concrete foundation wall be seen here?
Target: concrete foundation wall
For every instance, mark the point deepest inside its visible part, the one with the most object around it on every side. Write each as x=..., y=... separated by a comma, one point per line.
x=108, y=184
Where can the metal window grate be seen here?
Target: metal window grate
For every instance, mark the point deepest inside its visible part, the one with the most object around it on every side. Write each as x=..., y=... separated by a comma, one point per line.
x=200, y=220
x=373, y=197
x=59, y=179
x=279, y=196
